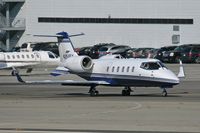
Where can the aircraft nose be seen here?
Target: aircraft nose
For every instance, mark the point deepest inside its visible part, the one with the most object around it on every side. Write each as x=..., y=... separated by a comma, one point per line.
x=173, y=77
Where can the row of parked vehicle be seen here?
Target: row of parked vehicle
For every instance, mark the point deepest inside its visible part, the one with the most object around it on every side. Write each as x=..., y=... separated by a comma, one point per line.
x=188, y=53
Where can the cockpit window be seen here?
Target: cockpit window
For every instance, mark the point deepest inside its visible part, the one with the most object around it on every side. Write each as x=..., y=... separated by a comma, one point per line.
x=162, y=65
x=51, y=55
x=150, y=65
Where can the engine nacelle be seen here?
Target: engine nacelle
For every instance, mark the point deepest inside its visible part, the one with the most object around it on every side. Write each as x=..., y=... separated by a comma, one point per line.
x=79, y=63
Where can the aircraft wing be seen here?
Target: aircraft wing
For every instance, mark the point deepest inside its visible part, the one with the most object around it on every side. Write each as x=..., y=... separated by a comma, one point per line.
x=62, y=82
x=19, y=65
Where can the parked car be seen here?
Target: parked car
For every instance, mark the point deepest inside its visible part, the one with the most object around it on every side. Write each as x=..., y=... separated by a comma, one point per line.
x=85, y=51
x=46, y=46
x=152, y=53
x=141, y=52
x=126, y=53
x=94, y=53
x=112, y=49
x=188, y=53
x=164, y=52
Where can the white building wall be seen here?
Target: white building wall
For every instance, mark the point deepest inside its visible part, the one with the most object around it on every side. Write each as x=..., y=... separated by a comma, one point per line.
x=135, y=35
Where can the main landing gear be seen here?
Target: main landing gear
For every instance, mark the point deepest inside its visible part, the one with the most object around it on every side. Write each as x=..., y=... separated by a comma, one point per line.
x=93, y=91
x=126, y=91
x=164, y=93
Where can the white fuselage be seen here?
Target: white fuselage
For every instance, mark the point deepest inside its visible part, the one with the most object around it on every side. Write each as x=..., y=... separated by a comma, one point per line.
x=132, y=72
x=28, y=59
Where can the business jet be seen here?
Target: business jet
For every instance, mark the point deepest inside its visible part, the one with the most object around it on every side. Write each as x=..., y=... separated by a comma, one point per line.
x=109, y=71
x=28, y=60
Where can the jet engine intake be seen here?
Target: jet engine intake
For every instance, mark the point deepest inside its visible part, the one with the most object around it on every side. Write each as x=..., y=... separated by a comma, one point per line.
x=79, y=63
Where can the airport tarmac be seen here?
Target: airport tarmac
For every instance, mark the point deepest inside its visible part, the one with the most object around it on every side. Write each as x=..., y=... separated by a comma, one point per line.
x=55, y=108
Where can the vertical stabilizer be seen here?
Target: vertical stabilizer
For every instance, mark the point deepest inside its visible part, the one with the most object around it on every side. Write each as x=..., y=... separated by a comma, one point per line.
x=66, y=48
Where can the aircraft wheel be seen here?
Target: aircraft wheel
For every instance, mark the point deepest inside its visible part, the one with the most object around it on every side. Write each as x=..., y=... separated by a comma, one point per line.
x=94, y=93
x=13, y=73
x=164, y=93
x=123, y=92
x=126, y=93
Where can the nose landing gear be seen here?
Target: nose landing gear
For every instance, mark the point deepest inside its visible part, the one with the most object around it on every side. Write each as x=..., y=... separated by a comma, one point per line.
x=164, y=93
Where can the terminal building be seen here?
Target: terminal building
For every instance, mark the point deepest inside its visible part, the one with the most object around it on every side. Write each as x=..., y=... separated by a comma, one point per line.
x=137, y=23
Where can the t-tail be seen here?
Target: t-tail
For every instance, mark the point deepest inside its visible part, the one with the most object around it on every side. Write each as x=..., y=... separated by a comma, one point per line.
x=66, y=48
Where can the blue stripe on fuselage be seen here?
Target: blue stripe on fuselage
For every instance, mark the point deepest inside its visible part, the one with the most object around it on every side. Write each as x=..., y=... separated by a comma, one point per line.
x=128, y=80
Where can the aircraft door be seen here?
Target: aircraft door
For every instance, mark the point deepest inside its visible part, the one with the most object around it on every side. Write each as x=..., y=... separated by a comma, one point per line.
x=2, y=58
x=37, y=57
x=109, y=72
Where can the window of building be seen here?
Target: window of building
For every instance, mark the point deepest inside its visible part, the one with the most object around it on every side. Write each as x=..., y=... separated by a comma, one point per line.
x=23, y=56
x=13, y=56
x=176, y=28
x=116, y=20
x=27, y=56
x=18, y=56
x=175, y=39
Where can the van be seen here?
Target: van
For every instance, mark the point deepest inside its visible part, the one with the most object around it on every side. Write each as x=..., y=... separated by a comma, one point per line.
x=188, y=53
x=27, y=47
x=40, y=46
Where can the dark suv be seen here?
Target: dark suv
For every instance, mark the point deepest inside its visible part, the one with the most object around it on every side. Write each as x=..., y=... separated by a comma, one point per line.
x=188, y=53
x=164, y=52
x=94, y=52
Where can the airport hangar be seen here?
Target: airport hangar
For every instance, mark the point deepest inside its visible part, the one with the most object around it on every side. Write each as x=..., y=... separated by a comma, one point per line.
x=137, y=23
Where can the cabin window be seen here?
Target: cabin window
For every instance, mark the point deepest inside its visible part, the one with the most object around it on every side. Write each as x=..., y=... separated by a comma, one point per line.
x=51, y=55
x=107, y=69
x=150, y=65
x=18, y=56
x=118, y=69
x=37, y=56
x=113, y=69
x=8, y=56
x=133, y=69
x=123, y=69
x=22, y=56
x=27, y=56
x=32, y=56
x=13, y=56
x=128, y=69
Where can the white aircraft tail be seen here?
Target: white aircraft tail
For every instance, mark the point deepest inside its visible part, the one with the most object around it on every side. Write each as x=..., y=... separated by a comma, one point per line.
x=65, y=46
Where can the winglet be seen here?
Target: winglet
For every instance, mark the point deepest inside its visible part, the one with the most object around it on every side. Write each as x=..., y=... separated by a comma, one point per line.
x=16, y=73
x=181, y=73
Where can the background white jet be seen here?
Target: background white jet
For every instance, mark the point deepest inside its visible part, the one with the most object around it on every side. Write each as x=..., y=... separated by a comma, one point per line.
x=28, y=60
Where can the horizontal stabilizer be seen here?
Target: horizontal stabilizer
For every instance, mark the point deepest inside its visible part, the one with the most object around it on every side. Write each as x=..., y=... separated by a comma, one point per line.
x=60, y=71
